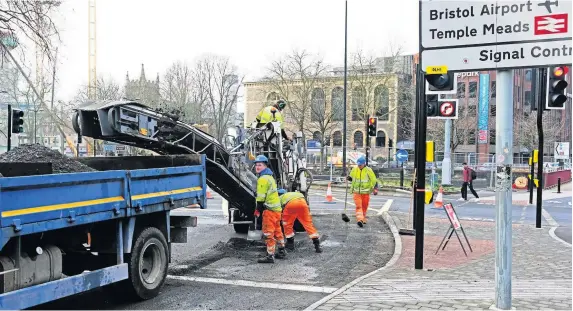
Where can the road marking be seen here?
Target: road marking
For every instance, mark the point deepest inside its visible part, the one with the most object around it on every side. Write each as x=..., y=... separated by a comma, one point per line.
x=295, y=287
x=523, y=211
x=554, y=225
x=339, y=200
x=386, y=207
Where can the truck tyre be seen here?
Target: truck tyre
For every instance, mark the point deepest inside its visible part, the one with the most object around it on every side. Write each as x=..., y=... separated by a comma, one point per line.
x=148, y=263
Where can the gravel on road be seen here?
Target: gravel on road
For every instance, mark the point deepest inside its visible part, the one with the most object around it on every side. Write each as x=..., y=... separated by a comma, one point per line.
x=34, y=153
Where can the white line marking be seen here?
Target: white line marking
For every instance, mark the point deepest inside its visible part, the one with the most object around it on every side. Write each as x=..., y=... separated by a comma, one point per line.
x=386, y=207
x=340, y=200
x=554, y=225
x=295, y=287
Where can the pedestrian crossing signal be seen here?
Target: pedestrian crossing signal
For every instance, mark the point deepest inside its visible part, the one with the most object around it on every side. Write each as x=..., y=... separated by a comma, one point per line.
x=17, y=121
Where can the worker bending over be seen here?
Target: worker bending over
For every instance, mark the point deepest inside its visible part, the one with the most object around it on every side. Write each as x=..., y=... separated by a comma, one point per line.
x=269, y=205
x=363, y=183
x=295, y=207
x=272, y=114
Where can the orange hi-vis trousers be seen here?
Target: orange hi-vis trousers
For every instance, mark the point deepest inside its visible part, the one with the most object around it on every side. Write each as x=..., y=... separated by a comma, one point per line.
x=272, y=230
x=361, y=201
x=298, y=209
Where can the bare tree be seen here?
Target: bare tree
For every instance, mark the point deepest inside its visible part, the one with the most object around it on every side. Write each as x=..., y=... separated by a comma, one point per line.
x=528, y=137
x=184, y=91
x=222, y=82
x=106, y=89
x=294, y=77
x=32, y=19
x=324, y=118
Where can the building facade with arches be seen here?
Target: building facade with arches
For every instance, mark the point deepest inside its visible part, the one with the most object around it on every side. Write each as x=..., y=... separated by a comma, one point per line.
x=322, y=113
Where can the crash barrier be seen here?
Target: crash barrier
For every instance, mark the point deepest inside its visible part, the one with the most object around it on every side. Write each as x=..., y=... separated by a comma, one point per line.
x=551, y=179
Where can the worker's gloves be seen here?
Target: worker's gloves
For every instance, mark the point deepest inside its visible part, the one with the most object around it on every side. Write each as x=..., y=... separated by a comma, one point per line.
x=349, y=178
x=375, y=191
x=257, y=213
x=260, y=208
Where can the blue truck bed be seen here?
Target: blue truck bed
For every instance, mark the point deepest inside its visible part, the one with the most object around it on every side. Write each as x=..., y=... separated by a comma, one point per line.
x=37, y=204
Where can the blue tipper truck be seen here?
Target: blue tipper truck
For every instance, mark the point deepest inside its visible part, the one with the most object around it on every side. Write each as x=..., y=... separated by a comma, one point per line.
x=63, y=234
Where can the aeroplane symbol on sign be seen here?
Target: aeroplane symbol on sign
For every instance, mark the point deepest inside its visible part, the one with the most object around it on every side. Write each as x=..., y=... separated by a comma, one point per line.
x=547, y=4
x=550, y=24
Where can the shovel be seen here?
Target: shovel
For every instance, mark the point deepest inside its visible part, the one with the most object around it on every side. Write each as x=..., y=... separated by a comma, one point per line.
x=344, y=216
x=254, y=234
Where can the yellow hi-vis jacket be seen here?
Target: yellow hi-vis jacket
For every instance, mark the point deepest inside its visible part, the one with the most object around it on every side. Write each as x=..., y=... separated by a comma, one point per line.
x=363, y=180
x=289, y=196
x=267, y=193
x=266, y=115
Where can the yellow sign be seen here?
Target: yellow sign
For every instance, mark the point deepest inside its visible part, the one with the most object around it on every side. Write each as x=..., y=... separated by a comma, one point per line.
x=143, y=131
x=535, y=156
x=430, y=151
x=432, y=70
x=530, y=161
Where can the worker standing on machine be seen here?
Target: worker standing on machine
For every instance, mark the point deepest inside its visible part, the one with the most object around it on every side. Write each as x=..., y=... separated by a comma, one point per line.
x=363, y=183
x=295, y=207
x=269, y=205
x=272, y=114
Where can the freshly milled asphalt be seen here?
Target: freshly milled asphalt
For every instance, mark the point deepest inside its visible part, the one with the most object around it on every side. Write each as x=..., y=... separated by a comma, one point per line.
x=215, y=251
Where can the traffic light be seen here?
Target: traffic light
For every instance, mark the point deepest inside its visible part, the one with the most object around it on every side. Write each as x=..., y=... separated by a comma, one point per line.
x=441, y=108
x=372, y=126
x=556, y=85
x=17, y=121
x=441, y=83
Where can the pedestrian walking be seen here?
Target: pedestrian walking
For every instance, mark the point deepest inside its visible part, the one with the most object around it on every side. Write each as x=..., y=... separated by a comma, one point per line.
x=363, y=183
x=295, y=207
x=269, y=205
x=468, y=175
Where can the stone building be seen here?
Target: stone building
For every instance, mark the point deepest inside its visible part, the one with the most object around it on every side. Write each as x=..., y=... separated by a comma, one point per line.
x=147, y=91
x=380, y=99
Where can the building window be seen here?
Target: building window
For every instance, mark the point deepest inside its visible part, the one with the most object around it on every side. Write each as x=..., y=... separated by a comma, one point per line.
x=337, y=104
x=382, y=98
x=492, y=91
x=492, y=109
x=358, y=139
x=337, y=139
x=327, y=141
x=492, y=137
x=380, y=139
x=473, y=89
x=472, y=110
x=528, y=75
x=316, y=136
x=527, y=98
x=471, y=137
x=358, y=103
x=272, y=97
x=317, y=105
x=461, y=90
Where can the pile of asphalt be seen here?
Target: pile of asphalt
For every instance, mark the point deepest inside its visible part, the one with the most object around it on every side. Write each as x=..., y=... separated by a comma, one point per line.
x=34, y=153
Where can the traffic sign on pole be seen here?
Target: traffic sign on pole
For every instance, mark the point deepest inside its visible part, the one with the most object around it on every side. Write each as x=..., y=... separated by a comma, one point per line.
x=402, y=155
x=495, y=34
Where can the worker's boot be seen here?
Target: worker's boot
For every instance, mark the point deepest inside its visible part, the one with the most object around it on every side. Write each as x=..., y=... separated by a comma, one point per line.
x=290, y=244
x=267, y=259
x=281, y=253
x=360, y=223
x=316, y=243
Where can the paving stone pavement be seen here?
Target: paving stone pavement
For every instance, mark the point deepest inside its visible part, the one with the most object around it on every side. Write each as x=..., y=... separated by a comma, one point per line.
x=541, y=273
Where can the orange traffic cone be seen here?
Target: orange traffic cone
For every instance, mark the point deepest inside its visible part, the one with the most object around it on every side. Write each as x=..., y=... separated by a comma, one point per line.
x=329, y=198
x=439, y=202
x=209, y=195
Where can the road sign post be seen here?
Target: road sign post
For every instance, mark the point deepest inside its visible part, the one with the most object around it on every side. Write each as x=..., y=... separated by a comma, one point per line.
x=504, y=160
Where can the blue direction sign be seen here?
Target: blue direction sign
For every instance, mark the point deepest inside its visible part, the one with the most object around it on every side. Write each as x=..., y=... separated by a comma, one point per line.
x=402, y=155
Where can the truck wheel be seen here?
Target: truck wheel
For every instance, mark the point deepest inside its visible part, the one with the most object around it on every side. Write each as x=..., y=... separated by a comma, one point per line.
x=148, y=264
x=241, y=228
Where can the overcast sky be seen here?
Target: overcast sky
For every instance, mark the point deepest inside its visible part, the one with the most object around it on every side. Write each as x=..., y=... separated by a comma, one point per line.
x=252, y=32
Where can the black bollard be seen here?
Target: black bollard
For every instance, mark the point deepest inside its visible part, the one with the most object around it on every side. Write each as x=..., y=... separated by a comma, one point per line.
x=559, y=185
x=402, y=177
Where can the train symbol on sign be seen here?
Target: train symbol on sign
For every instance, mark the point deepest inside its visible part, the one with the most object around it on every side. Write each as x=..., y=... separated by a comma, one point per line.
x=447, y=109
x=551, y=24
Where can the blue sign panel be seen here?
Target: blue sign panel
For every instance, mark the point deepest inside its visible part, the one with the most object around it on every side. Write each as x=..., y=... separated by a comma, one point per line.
x=483, y=110
x=402, y=155
x=312, y=144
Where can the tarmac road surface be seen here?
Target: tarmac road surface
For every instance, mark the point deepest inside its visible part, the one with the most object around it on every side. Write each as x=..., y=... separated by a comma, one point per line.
x=217, y=269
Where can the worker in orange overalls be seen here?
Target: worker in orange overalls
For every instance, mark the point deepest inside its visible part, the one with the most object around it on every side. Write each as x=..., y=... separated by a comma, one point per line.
x=363, y=183
x=295, y=207
x=269, y=205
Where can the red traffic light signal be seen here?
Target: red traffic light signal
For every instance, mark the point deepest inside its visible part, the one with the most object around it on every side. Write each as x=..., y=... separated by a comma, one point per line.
x=556, y=85
x=372, y=126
